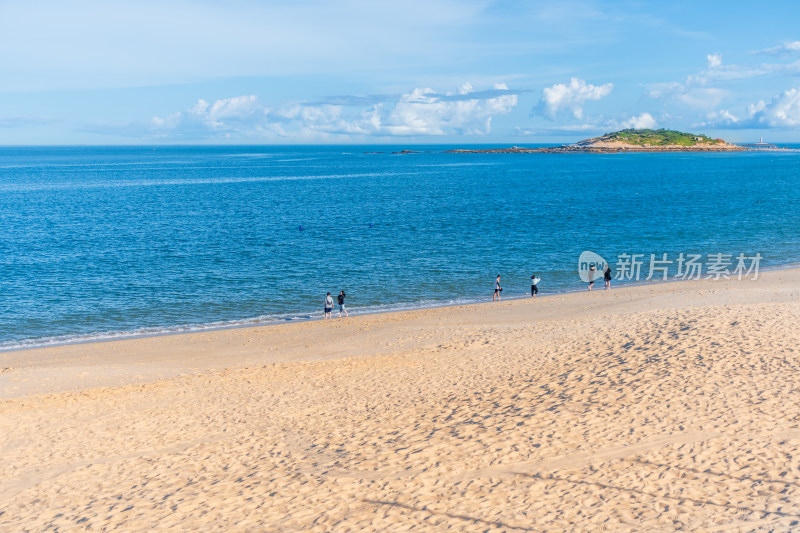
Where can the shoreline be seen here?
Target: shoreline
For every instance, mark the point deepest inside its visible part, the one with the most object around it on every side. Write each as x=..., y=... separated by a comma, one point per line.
x=130, y=359
x=661, y=406
x=256, y=323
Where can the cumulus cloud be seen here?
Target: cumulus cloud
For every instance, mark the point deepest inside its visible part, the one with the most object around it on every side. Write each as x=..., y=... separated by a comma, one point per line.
x=721, y=117
x=420, y=112
x=423, y=112
x=782, y=111
x=570, y=98
x=222, y=117
x=642, y=121
x=714, y=60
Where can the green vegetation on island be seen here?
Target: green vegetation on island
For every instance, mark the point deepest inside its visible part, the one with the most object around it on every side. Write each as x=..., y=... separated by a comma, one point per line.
x=660, y=137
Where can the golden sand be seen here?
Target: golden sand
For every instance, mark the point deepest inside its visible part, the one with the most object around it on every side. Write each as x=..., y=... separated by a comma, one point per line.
x=651, y=408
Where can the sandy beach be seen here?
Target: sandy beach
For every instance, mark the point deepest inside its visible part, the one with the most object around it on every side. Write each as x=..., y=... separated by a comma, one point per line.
x=661, y=407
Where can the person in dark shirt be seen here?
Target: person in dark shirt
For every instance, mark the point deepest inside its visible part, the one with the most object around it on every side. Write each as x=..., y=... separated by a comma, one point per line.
x=607, y=277
x=342, y=308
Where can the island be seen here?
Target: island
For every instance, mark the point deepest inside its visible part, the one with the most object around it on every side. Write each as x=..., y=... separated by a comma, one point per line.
x=628, y=140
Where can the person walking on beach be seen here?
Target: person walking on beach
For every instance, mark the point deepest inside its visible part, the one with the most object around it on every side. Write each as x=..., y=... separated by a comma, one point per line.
x=607, y=277
x=328, y=306
x=534, y=286
x=592, y=272
x=497, y=289
x=342, y=309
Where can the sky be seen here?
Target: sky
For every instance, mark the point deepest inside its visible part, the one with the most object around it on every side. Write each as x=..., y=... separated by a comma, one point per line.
x=502, y=72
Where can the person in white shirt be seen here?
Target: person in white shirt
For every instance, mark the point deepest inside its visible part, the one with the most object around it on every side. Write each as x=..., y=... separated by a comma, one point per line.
x=534, y=286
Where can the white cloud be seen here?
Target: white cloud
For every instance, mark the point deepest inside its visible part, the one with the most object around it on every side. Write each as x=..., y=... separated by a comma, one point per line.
x=570, y=98
x=229, y=107
x=721, y=117
x=698, y=91
x=694, y=92
x=223, y=117
x=783, y=111
x=743, y=72
x=421, y=112
x=642, y=121
x=758, y=107
x=716, y=71
x=781, y=49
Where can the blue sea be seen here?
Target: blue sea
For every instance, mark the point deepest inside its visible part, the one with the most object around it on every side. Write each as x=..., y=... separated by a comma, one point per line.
x=103, y=242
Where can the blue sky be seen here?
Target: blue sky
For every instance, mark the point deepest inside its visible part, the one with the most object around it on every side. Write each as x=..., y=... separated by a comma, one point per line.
x=418, y=71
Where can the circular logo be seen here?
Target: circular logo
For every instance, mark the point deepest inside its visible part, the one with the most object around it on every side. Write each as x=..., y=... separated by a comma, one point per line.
x=586, y=261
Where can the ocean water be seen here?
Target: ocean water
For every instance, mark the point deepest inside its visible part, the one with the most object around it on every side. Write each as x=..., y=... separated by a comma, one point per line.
x=98, y=242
